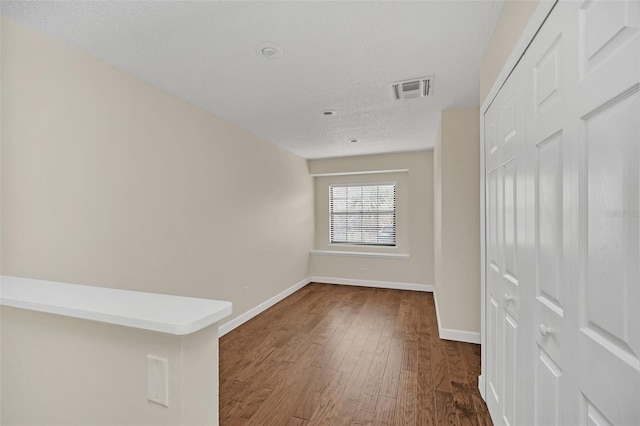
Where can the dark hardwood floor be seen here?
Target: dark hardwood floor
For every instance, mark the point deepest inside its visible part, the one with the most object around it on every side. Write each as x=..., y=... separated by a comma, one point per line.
x=343, y=355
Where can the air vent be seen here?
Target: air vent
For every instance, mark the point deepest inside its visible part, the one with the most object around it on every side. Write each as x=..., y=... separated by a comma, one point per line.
x=416, y=88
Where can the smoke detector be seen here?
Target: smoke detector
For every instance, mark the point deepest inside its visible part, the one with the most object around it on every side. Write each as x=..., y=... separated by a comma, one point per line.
x=414, y=88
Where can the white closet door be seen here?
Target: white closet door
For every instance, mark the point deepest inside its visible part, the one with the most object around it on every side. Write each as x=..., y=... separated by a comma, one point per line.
x=513, y=229
x=506, y=231
x=549, y=65
x=605, y=104
x=493, y=267
x=562, y=151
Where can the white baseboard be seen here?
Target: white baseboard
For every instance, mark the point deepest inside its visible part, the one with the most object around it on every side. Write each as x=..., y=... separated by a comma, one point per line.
x=481, y=386
x=459, y=335
x=376, y=284
x=452, y=334
x=241, y=319
x=444, y=333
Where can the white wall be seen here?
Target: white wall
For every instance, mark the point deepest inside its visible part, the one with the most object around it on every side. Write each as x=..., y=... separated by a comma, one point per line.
x=108, y=181
x=414, y=210
x=457, y=230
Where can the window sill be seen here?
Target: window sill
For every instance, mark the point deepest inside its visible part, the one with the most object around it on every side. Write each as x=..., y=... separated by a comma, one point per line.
x=359, y=254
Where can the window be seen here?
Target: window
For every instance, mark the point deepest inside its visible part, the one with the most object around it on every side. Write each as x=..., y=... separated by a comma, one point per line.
x=363, y=214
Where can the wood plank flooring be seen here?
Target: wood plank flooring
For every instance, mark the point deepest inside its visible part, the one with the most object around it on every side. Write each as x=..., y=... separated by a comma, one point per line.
x=343, y=355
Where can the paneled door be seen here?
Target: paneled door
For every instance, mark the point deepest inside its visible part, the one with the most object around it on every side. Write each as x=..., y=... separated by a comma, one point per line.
x=505, y=237
x=549, y=65
x=493, y=268
x=562, y=198
x=605, y=107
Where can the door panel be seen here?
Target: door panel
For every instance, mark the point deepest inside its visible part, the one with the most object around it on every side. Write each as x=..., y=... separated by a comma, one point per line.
x=547, y=77
x=591, y=416
x=606, y=110
x=547, y=391
x=494, y=264
x=563, y=230
x=492, y=219
x=510, y=222
x=610, y=291
x=605, y=26
x=548, y=213
x=493, y=353
x=504, y=124
x=510, y=372
x=548, y=125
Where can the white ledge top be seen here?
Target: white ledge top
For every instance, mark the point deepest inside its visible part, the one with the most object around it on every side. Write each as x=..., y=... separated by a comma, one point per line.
x=360, y=254
x=147, y=311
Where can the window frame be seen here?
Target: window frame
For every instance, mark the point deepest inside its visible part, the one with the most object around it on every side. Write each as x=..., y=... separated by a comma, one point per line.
x=393, y=245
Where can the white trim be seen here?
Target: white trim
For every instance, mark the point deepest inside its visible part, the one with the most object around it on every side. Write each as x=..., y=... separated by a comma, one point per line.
x=376, y=284
x=483, y=232
x=444, y=333
x=529, y=32
x=435, y=302
x=452, y=334
x=359, y=254
x=481, y=385
x=365, y=172
x=241, y=319
x=349, y=184
x=459, y=335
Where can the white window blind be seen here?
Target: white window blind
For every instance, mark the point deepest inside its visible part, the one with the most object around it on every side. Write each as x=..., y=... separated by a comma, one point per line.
x=363, y=214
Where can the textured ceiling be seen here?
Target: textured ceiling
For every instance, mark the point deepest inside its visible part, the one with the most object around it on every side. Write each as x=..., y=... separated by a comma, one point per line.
x=337, y=55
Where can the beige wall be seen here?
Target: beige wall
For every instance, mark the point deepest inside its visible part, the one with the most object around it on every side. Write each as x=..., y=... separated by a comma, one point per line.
x=457, y=270
x=414, y=210
x=513, y=19
x=108, y=181
x=103, y=380
x=437, y=203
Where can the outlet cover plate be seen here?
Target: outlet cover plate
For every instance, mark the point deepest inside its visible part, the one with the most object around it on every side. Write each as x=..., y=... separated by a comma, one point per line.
x=158, y=380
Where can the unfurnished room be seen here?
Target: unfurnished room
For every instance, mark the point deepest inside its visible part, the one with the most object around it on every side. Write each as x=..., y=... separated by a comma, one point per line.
x=299, y=212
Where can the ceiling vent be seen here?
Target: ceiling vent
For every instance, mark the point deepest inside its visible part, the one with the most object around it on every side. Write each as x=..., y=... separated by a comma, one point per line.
x=415, y=88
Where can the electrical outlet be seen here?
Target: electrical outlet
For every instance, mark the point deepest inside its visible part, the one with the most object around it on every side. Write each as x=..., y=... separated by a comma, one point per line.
x=245, y=290
x=158, y=380
x=363, y=270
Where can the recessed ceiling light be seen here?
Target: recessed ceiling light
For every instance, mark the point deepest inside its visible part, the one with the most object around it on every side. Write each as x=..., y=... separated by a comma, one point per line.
x=269, y=50
x=353, y=140
x=328, y=113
